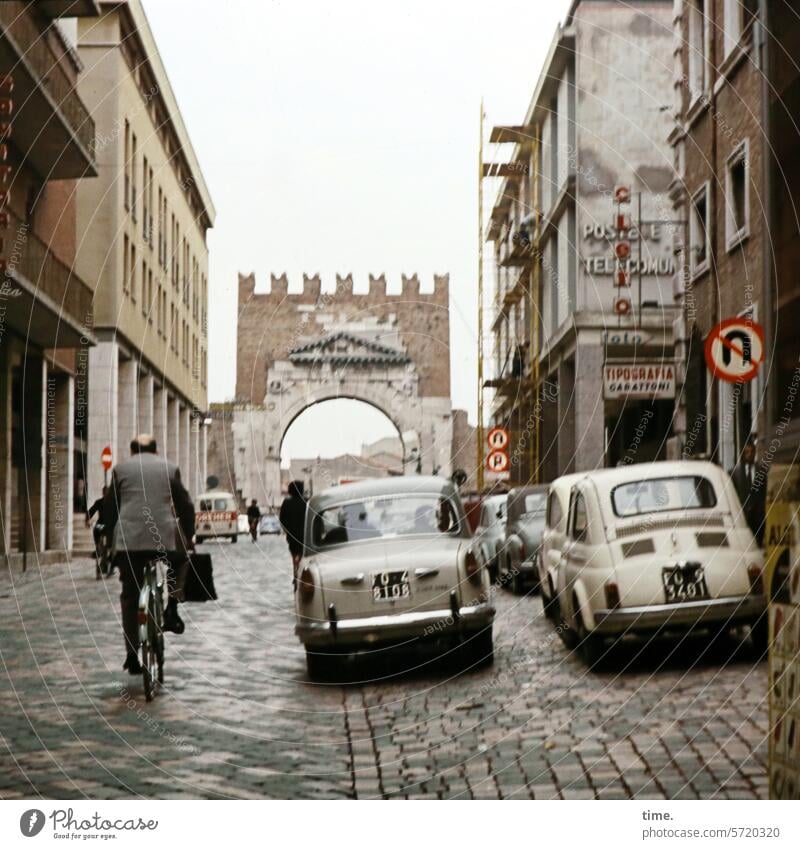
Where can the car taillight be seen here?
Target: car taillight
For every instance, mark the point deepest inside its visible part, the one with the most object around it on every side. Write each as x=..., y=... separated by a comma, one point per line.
x=522, y=551
x=305, y=585
x=234, y=516
x=756, y=579
x=472, y=566
x=612, y=595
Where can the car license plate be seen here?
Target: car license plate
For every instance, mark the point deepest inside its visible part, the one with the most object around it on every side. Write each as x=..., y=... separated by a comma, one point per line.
x=684, y=583
x=390, y=586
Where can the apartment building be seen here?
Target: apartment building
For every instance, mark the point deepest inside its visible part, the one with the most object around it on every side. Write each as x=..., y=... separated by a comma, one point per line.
x=583, y=355
x=46, y=146
x=143, y=225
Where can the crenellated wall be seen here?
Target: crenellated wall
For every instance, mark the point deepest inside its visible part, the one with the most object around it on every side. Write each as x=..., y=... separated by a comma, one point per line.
x=272, y=323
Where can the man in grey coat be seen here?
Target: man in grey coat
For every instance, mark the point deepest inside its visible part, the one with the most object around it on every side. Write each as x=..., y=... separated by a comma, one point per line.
x=149, y=515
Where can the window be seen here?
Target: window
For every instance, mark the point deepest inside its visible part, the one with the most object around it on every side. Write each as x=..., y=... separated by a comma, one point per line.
x=739, y=14
x=145, y=198
x=659, y=494
x=132, y=267
x=159, y=313
x=126, y=284
x=150, y=295
x=737, y=190
x=134, y=176
x=580, y=521
x=554, y=511
x=127, y=160
x=699, y=223
x=698, y=48
x=144, y=288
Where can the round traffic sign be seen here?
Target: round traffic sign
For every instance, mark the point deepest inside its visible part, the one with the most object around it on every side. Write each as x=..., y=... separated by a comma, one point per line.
x=105, y=457
x=497, y=438
x=497, y=461
x=735, y=349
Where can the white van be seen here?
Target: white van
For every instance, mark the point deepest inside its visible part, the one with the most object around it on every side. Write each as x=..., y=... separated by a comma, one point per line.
x=217, y=516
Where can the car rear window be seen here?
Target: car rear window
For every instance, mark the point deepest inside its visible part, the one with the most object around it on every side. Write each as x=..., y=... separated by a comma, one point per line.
x=656, y=495
x=385, y=516
x=208, y=504
x=535, y=502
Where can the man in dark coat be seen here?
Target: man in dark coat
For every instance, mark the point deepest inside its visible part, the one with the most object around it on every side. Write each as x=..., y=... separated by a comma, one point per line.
x=293, y=519
x=750, y=481
x=149, y=516
x=253, y=518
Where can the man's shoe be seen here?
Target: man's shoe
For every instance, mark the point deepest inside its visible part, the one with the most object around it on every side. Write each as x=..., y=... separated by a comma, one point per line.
x=132, y=665
x=173, y=622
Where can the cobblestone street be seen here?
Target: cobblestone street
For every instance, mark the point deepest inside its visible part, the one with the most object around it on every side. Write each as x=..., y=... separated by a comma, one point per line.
x=239, y=717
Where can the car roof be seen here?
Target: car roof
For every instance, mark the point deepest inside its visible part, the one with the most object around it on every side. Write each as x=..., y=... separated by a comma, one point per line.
x=216, y=493
x=526, y=490
x=400, y=485
x=645, y=471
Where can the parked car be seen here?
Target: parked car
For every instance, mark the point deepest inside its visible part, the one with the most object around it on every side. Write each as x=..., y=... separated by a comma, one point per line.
x=657, y=546
x=491, y=531
x=390, y=561
x=217, y=516
x=269, y=524
x=525, y=510
x=554, y=537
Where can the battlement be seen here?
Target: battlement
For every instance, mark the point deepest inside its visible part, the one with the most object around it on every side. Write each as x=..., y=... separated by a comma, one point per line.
x=312, y=289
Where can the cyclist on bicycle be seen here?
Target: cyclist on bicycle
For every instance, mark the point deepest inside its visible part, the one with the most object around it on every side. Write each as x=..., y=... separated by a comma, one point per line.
x=149, y=516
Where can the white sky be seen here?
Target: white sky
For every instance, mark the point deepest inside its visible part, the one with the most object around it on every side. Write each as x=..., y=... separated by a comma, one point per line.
x=343, y=137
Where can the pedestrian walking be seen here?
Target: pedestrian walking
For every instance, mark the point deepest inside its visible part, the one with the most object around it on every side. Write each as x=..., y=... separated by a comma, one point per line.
x=253, y=518
x=750, y=482
x=149, y=516
x=293, y=519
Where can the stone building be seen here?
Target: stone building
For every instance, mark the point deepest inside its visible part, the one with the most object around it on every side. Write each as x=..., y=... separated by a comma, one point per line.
x=143, y=225
x=298, y=349
x=47, y=141
x=563, y=315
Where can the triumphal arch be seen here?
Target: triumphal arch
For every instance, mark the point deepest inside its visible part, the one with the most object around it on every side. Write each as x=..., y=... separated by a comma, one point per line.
x=297, y=349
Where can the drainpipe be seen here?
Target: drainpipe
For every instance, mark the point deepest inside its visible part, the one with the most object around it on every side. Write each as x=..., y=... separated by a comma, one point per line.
x=766, y=249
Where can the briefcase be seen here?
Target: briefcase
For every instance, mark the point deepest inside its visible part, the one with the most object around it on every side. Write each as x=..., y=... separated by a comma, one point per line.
x=199, y=584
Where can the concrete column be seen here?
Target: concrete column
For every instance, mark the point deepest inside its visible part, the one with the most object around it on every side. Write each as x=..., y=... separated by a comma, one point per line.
x=34, y=413
x=103, y=409
x=128, y=421
x=59, y=442
x=194, y=458
x=145, y=406
x=173, y=431
x=589, y=407
x=566, y=418
x=5, y=448
x=185, y=444
x=160, y=420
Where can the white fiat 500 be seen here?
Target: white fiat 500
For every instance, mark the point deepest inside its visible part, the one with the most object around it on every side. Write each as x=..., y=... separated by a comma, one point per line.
x=656, y=546
x=390, y=561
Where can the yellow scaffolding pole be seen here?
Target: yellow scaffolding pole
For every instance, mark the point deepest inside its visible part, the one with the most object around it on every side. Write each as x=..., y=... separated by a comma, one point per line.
x=479, y=432
x=535, y=279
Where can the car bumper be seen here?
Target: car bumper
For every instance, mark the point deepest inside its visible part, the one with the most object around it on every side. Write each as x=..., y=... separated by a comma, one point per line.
x=428, y=624
x=715, y=611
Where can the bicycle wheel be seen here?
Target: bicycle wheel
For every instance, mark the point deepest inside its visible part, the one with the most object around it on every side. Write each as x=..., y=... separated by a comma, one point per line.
x=150, y=652
x=159, y=638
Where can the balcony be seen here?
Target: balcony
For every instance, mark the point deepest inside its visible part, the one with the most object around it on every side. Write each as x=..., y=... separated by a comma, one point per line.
x=44, y=299
x=51, y=127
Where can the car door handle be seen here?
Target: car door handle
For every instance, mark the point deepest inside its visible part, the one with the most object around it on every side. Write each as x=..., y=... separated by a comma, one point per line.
x=424, y=572
x=354, y=579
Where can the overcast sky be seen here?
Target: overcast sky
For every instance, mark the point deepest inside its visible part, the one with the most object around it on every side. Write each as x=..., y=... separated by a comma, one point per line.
x=343, y=137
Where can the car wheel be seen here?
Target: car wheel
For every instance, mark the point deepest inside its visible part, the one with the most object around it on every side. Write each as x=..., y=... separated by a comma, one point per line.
x=590, y=647
x=235, y=538
x=478, y=649
x=759, y=635
x=319, y=665
x=550, y=603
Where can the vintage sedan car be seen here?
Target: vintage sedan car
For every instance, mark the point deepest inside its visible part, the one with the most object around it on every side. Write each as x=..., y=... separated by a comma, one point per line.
x=269, y=524
x=657, y=546
x=554, y=538
x=390, y=561
x=525, y=510
x=490, y=534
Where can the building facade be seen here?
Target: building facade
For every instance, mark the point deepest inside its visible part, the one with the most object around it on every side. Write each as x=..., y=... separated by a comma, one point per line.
x=583, y=357
x=143, y=225
x=46, y=147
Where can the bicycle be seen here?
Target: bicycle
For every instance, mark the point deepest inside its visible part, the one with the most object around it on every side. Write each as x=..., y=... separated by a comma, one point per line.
x=151, y=628
x=102, y=554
